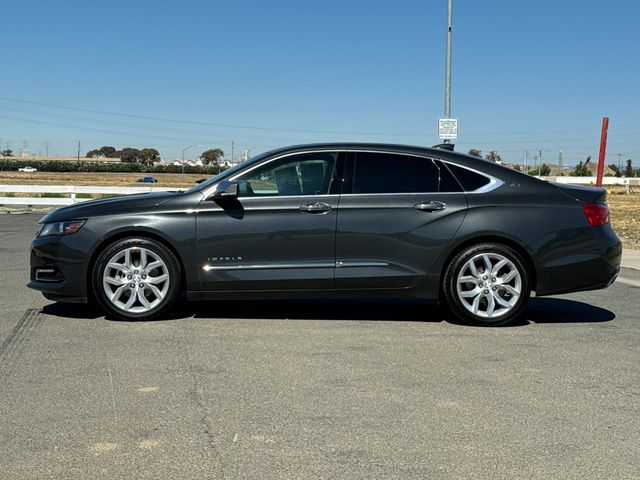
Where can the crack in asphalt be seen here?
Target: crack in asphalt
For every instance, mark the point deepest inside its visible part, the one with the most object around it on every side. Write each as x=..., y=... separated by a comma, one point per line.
x=198, y=395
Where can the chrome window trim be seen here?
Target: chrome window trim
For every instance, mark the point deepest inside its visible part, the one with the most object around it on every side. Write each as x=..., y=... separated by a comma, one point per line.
x=493, y=184
x=493, y=181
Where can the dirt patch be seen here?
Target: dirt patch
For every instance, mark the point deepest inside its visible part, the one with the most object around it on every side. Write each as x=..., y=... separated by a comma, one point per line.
x=625, y=218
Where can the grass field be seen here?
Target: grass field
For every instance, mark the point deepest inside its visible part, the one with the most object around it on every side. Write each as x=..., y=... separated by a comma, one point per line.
x=625, y=208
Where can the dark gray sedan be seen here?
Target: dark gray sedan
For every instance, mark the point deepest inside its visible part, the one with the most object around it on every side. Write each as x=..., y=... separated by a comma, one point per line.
x=334, y=220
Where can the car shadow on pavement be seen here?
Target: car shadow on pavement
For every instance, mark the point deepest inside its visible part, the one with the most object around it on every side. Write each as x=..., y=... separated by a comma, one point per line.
x=72, y=310
x=538, y=311
x=562, y=310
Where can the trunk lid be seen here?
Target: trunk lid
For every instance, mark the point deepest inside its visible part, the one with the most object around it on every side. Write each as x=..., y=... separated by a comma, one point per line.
x=583, y=194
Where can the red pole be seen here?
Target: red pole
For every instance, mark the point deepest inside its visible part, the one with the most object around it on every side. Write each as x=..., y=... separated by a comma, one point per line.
x=603, y=150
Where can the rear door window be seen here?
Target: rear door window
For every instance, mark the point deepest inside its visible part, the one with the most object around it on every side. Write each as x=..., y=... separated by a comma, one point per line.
x=374, y=172
x=393, y=173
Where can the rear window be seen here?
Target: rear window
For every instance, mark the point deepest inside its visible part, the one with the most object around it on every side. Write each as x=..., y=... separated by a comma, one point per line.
x=447, y=183
x=469, y=180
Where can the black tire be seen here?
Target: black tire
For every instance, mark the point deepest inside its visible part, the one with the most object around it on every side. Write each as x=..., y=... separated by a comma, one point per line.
x=487, y=285
x=153, y=249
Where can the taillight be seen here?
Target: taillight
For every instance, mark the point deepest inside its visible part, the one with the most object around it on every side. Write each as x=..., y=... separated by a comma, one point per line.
x=596, y=213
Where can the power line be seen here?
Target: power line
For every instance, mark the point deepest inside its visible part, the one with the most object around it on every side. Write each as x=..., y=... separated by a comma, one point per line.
x=294, y=130
x=208, y=124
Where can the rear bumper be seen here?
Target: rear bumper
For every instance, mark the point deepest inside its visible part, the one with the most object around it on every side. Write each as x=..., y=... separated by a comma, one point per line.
x=594, y=268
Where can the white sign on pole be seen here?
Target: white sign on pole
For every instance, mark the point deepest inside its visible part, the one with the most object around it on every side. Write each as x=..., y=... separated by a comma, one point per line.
x=447, y=128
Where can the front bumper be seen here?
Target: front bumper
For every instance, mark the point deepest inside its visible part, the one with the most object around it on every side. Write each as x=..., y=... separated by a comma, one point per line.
x=59, y=266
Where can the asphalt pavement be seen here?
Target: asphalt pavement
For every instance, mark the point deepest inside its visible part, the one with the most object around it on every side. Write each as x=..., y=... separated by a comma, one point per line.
x=261, y=390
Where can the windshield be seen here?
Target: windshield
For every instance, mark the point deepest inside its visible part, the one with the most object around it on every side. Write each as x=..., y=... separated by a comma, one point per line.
x=227, y=172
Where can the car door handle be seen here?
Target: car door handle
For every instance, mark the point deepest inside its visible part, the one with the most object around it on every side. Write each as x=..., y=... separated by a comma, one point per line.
x=430, y=206
x=315, y=207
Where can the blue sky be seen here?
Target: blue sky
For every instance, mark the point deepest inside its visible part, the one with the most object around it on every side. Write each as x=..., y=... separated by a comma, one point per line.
x=526, y=75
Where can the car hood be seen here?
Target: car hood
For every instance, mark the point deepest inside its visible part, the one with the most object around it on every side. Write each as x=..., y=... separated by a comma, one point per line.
x=108, y=206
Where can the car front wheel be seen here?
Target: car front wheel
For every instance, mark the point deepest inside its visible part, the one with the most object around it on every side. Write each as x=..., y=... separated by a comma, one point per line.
x=487, y=284
x=136, y=279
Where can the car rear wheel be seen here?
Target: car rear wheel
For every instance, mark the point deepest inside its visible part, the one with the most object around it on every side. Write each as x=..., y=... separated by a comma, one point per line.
x=487, y=284
x=136, y=279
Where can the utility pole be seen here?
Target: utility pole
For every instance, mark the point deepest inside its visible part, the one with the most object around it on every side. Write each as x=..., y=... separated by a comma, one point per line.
x=447, y=126
x=46, y=146
x=184, y=150
x=540, y=152
x=620, y=161
x=233, y=144
x=560, y=159
x=78, y=151
x=447, y=74
x=526, y=161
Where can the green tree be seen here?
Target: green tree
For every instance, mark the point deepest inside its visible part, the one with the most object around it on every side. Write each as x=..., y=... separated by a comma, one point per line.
x=474, y=152
x=582, y=170
x=7, y=153
x=545, y=170
x=211, y=156
x=106, y=152
x=148, y=155
x=628, y=172
x=494, y=157
x=128, y=155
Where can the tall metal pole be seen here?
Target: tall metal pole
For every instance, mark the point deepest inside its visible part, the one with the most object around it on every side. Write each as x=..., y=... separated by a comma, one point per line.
x=447, y=75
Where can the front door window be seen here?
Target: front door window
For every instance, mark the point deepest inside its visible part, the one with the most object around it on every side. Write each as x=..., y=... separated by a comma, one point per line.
x=303, y=174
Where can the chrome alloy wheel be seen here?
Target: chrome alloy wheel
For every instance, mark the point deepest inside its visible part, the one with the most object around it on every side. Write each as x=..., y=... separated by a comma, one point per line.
x=136, y=280
x=489, y=285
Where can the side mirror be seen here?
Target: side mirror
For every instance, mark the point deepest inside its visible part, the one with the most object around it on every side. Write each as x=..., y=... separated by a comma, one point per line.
x=225, y=189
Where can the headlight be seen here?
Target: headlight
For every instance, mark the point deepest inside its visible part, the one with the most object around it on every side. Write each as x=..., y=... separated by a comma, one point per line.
x=60, y=228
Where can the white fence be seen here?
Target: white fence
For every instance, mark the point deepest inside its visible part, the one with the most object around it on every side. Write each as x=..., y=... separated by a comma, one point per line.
x=633, y=182
x=70, y=193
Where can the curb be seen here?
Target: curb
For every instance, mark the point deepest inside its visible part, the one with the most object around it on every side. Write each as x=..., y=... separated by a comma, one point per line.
x=630, y=259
